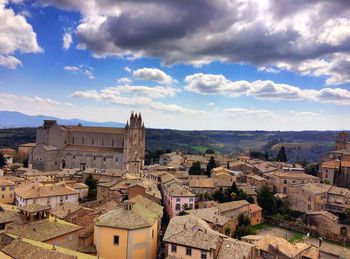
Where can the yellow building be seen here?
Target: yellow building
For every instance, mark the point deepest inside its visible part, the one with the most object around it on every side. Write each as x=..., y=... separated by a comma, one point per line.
x=129, y=231
x=7, y=191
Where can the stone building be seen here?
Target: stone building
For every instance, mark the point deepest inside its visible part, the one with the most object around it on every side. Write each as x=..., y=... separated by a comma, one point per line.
x=60, y=146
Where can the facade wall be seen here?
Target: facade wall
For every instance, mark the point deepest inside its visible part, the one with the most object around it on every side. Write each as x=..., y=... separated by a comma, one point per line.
x=139, y=243
x=181, y=252
x=70, y=241
x=83, y=148
x=181, y=201
x=7, y=194
x=53, y=201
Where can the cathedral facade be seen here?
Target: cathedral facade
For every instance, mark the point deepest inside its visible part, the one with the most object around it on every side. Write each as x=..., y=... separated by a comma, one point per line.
x=61, y=146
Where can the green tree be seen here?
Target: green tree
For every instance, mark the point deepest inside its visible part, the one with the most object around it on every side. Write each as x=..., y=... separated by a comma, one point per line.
x=195, y=169
x=243, y=219
x=282, y=157
x=2, y=160
x=211, y=164
x=312, y=169
x=91, y=182
x=219, y=196
x=267, y=200
x=210, y=151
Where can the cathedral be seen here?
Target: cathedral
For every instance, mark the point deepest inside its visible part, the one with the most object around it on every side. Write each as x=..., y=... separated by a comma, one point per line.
x=61, y=146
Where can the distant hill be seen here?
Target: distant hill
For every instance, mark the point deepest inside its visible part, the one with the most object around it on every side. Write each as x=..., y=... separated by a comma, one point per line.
x=19, y=128
x=9, y=119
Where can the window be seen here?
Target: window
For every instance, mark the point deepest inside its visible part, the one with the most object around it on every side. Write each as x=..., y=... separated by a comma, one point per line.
x=66, y=197
x=203, y=254
x=102, y=142
x=152, y=233
x=177, y=199
x=82, y=141
x=177, y=206
x=173, y=248
x=3, y=196
x=285, y=189
x=48, y=201
x=73, y=140
x=94, y=158
x=92, y=141
x=73, y=157
x=104, y=159
x=3, y=189
x=191, y=199
x=11, y=195
x=285, y=181
x=188, y=251
x=190, y=206
x=116, y=240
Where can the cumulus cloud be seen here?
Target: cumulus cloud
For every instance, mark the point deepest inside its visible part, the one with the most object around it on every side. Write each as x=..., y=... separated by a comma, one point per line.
x=209, y=84
x=127, y=69
x=131, y=95
x=67, y=40
x=81, y=70
x=124, y=80
x=250, y=113
x=263, y=33
x=153, y=74
x=16, y=35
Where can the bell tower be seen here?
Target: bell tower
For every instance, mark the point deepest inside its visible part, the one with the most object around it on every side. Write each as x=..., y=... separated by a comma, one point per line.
x=134, y=143
x=342, y=139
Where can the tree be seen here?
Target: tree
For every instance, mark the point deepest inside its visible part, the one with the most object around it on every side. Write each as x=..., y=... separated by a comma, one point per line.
x=2, y=160
x=243, y=219
x=195, y=169
x=211, y=164
x=267, y=200
x=312, y=169
x=210, y=151
x=219, y=196
x=91, y=182
x=282, y=157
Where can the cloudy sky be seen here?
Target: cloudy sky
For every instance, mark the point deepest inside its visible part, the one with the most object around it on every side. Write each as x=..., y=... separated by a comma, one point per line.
x=199, y=64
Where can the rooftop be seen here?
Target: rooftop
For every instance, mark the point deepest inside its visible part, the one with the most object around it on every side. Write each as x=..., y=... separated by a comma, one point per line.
x=191, y=231
x=138, y=216
x=32, y=208
x=210, y=215
x=65, y=209
x=201, y=182
x=234, y=249
x=42, y=230
x=232, y=205
x=35, y=190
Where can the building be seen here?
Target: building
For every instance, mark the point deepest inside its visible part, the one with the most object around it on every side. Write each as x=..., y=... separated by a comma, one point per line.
x=283, y=180
x=234, y=208
x=146, y=188
x=317, y=197
x=52, y=231
x=201, y=184
x=176, y=198
x=257, y=182
x=129, y=231
x=216, y=221
x=191, y=237
x=59, y=146
x=7, y=194
x=21, y=248
x=53, y=194
x=276, y=247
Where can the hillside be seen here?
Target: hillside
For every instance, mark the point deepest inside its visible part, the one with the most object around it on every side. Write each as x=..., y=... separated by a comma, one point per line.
x=303, y=145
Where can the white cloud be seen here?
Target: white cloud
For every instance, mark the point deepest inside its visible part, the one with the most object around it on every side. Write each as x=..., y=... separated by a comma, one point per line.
x=268, y=69
x=250, y=113
x=264, y=33
x=127, y=69
x=16, y=35
x=153, y=74
x=67, y=40
x=211, y=104
x=130, y=95
x=124, y=81
x=209, y=84
x=9, y=61
x=81, y=70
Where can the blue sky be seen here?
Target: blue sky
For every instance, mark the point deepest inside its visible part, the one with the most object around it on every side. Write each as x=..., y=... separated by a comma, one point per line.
x=271, y=65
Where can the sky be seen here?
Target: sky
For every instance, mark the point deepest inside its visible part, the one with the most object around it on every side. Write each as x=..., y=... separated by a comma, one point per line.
x=199, y=64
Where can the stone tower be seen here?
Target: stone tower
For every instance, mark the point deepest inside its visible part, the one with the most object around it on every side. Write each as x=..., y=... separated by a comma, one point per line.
x=134, y=144
x=341, y=140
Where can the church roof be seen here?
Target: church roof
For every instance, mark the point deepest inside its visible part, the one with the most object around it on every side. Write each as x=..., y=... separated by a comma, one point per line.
x=97, y=129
